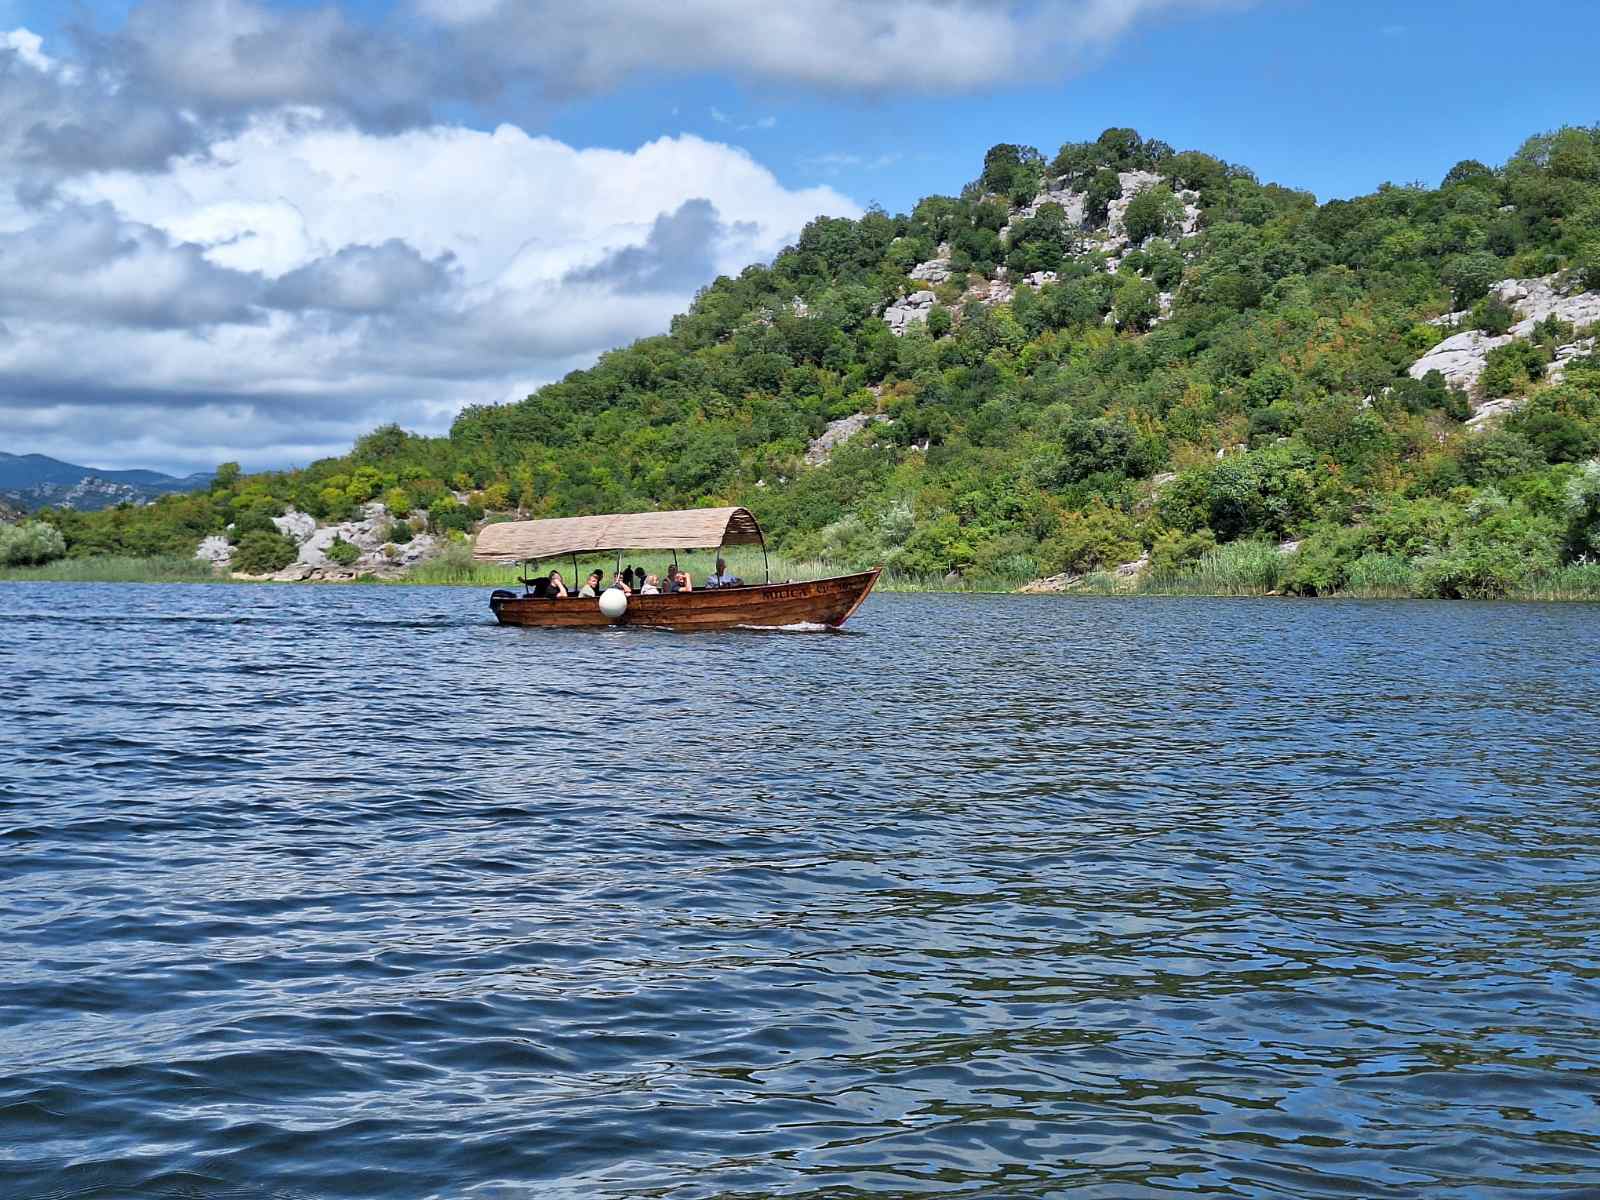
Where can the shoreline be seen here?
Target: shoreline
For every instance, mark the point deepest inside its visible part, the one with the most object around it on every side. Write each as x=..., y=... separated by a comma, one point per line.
x=156, y=571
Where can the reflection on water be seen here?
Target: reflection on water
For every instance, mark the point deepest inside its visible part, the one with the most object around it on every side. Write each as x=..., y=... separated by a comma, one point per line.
x=319, y=892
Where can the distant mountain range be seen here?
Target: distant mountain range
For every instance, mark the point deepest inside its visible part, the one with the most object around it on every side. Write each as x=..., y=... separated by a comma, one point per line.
x=34, y=481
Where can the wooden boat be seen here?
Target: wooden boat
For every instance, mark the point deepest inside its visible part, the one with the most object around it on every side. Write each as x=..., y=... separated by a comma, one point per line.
x=824, y=603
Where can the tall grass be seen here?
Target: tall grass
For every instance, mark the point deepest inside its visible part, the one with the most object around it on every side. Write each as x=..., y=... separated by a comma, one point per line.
x=455, y=567
x=1234, y=569
x=173, y=568
x=1579, y=581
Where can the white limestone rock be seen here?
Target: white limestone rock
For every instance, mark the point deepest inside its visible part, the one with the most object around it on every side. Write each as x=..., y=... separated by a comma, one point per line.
x=1460, y=358
x=908, y=311
x=935, y=270
x=837, y=433
x=295, y=525
x=1557, y=370
x=216, y=551
x=1491, y=412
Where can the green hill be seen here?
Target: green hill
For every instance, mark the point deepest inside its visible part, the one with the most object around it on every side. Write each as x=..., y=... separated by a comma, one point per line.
x=1119, y=353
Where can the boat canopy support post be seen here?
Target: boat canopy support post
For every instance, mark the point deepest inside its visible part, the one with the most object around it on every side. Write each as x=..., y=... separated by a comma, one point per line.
x=766, y=563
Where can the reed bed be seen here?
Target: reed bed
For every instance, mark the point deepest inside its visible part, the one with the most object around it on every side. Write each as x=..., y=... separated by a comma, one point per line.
x=1235, y=569
x=173, y=568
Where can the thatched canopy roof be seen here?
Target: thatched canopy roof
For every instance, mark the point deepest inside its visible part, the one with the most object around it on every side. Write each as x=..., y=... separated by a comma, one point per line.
x=689, y=529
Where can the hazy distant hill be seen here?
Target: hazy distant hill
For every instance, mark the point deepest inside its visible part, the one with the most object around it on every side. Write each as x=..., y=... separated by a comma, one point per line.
x=33, y=481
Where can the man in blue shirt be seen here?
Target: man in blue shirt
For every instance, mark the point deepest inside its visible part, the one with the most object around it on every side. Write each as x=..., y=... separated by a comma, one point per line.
x=722, y=577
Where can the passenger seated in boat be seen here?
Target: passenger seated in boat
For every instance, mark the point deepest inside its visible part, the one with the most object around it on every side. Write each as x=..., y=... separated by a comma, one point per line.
x=652, y=586
x=591, y=589
x=622, y=585
x=723, y=577
x=555, y=588
x=630, y=579
x=678, y=581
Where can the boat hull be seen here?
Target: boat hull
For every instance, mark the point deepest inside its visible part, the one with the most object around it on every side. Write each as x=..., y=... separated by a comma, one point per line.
x=825, y=602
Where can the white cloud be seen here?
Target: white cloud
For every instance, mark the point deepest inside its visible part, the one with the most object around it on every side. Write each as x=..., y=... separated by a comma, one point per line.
x=907, y=45
x=299, y=283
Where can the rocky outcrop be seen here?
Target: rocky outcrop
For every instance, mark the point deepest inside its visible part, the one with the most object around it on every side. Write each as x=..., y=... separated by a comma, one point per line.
x=1122, y=576
x=935, y=270
x=1491, y=412
x=837, y=433
x=908, y=311
x=216, y=550
x=296, y=526
x=1461, y=357
x=371, y=535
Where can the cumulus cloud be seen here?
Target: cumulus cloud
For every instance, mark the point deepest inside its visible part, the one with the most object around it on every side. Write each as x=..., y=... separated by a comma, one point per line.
x=241, y=228
x=917, y=45
x=299, y=283
x=179, y=73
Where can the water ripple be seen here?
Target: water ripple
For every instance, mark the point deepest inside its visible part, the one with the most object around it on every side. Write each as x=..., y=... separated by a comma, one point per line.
x=314, y=893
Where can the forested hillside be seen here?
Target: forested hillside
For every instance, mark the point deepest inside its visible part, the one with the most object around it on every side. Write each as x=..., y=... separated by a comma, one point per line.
x=1117, y=352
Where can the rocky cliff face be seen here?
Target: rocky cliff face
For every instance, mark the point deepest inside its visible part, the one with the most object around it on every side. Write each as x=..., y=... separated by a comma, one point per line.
x=1112, y=241
x=1462, y=357
x=379, y=554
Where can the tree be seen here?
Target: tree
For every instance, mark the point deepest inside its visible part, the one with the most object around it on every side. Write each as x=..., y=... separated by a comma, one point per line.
x=30, y=544
x=262, y=553
x=1468, y=170
x=1010, y=169
x=1468, y=276
x=1103, y=189
x=1152, y=212
x=227, y=475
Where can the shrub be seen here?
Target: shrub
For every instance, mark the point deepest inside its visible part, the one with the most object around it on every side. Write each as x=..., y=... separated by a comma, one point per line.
x=30, y=544
x=398, y=501
x=262, y=553
x=1583, y=512
x=1499, y=546
x=400, y=532
x=1267, y=491
x=1509, y=369
x=1587, y=263
x=1103, y=189
x=1501, y=454
x=1137, y=306
x=1469, y=276
x=1174, y=550
x=1322, y=564
x=1493, y=315
x=939, y=321
x=1151, y=213
x=1099, y=538
x=342, y=552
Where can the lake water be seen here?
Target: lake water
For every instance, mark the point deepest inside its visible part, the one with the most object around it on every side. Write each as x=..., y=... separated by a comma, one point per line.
x=313, y=893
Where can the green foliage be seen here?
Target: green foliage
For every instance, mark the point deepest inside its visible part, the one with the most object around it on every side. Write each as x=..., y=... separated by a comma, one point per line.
x=342, y=553
x=1469, y=276
x=1173, y=550
x=1510, y=369
x=1267, y=491
x=1024, y=435
x=262, y=553
x=1152, y=213
x=1097, y=539
x=1487, y=556
x=30, y=544
x=1583, y=513
x=1103, y=189
x=1493, y=315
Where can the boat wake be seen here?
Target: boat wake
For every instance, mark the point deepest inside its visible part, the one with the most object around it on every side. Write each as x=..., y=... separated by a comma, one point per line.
x=796, y=627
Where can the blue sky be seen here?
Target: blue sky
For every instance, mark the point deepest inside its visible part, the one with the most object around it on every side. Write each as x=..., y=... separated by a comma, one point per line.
x=262, y=159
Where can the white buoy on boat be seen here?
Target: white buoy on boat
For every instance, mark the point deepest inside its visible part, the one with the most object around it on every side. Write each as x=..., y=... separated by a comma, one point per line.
x=613, y=603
